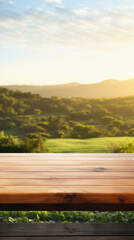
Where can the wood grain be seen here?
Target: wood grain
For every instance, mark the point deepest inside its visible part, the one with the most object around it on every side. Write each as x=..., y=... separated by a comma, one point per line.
x=66, y=229
x=97, y=174
x=67, y=179
x=70, y=238
x=65, y=182
x=68, y=168
x=67, y=156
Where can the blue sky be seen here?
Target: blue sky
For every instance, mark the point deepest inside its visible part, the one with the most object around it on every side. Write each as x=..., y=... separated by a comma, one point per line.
x=61, y=41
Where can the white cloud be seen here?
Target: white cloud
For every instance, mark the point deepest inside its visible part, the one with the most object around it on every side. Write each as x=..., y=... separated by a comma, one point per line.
x=39, y=9
x=80, y=11
x=96, y=12
x=126, y=7
x=53, y=1
x=11, y=2
x=50, y=13
x=66, y=27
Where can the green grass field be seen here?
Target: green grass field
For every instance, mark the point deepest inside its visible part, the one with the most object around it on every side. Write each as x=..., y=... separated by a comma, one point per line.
x=94, y=145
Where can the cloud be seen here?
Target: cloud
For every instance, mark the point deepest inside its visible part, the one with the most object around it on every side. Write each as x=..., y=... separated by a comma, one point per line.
x=11, y=2
x=39, y=9
x=126, y=7
x=65, y=27
x=80, y=11
x=53, y=1
x=96, y=12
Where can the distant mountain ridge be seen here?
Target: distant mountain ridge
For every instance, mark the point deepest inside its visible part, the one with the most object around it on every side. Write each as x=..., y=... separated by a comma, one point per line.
x=109, y=88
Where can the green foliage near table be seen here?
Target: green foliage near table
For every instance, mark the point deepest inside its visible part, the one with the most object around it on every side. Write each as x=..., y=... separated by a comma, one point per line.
x=65, y=216
x=31, y=143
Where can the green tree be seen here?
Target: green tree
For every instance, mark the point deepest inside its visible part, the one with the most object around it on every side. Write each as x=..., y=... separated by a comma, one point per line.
x=8, y=144
x=131, y=132
x=33, y=143
x=85, y=131
x=37, y=111
x=124, y=148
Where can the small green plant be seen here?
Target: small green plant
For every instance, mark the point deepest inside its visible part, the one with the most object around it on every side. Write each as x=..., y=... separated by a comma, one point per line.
x=124, y=148
x=65, y=216
x=31, y=143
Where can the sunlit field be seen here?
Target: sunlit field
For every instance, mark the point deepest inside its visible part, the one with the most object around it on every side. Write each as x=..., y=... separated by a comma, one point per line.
x=94, y=145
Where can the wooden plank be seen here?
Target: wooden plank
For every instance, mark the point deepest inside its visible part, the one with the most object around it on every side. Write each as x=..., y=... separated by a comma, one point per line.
x=66, y=229
x=72, y=168
x=45, y=162
x=98, y=174
x=65, y=182
x=84, y=179
x=67, y=194
x=68, y=156
x=70, y=238
x=83, y=190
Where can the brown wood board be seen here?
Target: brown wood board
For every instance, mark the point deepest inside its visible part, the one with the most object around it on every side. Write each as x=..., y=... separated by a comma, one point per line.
x=81, y=179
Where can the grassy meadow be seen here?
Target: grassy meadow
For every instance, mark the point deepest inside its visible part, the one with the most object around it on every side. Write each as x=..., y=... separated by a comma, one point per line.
x=94, y=145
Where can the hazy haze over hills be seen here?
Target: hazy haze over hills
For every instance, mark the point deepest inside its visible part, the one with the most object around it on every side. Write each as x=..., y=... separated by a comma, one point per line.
x=108, y=89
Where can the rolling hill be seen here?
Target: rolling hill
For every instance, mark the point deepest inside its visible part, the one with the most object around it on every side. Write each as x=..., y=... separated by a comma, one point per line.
x=106, y=89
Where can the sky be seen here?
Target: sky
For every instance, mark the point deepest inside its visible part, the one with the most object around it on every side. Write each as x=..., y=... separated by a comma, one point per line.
x=46, y=42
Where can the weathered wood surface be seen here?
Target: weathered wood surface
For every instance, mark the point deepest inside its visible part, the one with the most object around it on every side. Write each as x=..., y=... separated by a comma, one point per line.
x=70, y=238
x=67, y=231
x=67, y=181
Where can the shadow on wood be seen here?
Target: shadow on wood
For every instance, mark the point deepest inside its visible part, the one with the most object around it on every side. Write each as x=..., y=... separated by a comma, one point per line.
x=72, y=231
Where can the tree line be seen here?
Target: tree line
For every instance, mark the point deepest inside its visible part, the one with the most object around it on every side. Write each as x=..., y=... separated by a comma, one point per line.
x=26, y=113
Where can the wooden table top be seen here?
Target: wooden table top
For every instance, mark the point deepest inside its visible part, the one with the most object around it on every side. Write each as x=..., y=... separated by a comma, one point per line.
x=67, y=181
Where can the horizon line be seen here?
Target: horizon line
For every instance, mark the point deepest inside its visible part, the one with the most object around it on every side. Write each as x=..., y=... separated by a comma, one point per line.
x=68, y=83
